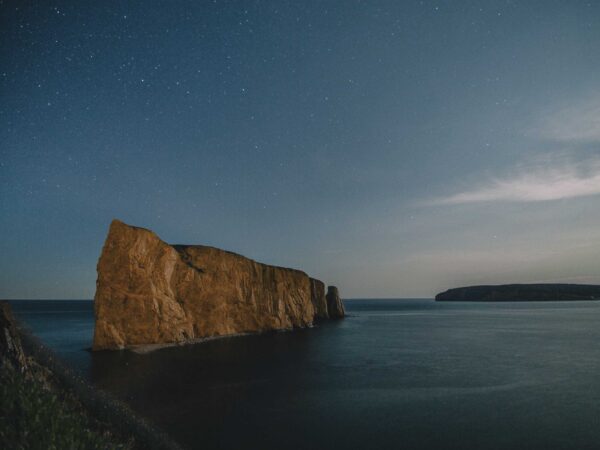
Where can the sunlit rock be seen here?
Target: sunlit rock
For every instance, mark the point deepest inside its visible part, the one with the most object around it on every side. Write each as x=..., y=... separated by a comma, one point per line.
x=150, y=292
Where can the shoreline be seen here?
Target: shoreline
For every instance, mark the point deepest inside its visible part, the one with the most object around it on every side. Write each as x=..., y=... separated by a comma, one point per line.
x=143, y=349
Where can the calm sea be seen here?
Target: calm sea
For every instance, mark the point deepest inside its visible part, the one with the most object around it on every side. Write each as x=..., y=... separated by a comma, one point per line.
x=395, y=374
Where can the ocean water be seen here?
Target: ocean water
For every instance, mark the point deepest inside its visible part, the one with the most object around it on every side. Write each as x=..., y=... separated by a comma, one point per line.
x=395, y=374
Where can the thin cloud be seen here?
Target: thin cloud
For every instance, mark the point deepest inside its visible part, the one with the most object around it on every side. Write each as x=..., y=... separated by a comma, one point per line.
x=578, y=123
x=552, y=177
x=536, y=186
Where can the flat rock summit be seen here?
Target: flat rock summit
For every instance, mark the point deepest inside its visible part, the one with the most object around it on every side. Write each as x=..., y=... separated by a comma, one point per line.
x=521, y=292
x=149, y=292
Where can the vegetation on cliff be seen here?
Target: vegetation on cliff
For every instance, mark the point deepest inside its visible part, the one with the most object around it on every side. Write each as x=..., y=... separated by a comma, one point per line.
x=43, y=405
x=36, y=416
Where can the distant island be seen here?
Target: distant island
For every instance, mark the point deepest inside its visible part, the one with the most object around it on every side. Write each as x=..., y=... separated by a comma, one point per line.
x=521, y=292
x=150, y=293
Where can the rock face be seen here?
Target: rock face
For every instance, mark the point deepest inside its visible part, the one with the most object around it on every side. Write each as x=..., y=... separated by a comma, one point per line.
x=150, y=292
x=12, y=356
x=334, y=303
x=521, y=292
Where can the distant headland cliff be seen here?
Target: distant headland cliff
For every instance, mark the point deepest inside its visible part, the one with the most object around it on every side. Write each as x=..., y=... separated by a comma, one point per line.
x=149, y=292
x=521, y=292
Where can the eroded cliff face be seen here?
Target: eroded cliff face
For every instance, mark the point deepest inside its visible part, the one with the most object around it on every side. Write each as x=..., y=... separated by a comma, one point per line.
x=335, y=307
x=150, y=292
x=12, y=356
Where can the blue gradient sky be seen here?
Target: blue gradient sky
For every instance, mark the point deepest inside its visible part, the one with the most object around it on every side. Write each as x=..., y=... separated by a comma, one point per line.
x=395, y=149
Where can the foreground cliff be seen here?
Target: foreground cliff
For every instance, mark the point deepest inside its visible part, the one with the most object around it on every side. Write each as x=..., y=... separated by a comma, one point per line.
x=522, y=292
x=44, y=405
x=150, y=292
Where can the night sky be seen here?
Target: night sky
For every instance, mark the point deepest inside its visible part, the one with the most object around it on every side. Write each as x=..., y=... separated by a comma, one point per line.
x=393, y=148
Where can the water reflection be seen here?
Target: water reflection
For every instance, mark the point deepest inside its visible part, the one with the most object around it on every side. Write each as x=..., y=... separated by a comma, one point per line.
x=395, y=374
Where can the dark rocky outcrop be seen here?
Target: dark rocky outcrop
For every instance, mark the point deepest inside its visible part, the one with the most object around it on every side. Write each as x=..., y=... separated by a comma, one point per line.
x=149, y=292
x=318, y=298
x=12, y=356
x=522, y=292
x=334, y=303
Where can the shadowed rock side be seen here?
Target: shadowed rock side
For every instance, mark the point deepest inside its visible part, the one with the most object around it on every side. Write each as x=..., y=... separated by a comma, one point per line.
x=317, y=294
x=522, y=292
x=11, y=351
x=150, y=292
x=335, y=306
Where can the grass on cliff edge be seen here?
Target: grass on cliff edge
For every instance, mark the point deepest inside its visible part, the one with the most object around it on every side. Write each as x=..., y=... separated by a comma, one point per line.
x=34, y=417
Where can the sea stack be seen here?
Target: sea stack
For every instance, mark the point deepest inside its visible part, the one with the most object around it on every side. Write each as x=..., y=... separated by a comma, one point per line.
x=335, y=307
x=150, y=292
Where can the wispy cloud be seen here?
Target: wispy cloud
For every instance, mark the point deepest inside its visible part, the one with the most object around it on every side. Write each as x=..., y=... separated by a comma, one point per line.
x=534, y=185
x=553, y=176
x=578, y=123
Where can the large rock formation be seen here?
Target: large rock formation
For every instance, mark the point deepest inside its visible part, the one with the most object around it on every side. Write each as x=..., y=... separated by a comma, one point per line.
x=150, y=292
x=521, y=292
